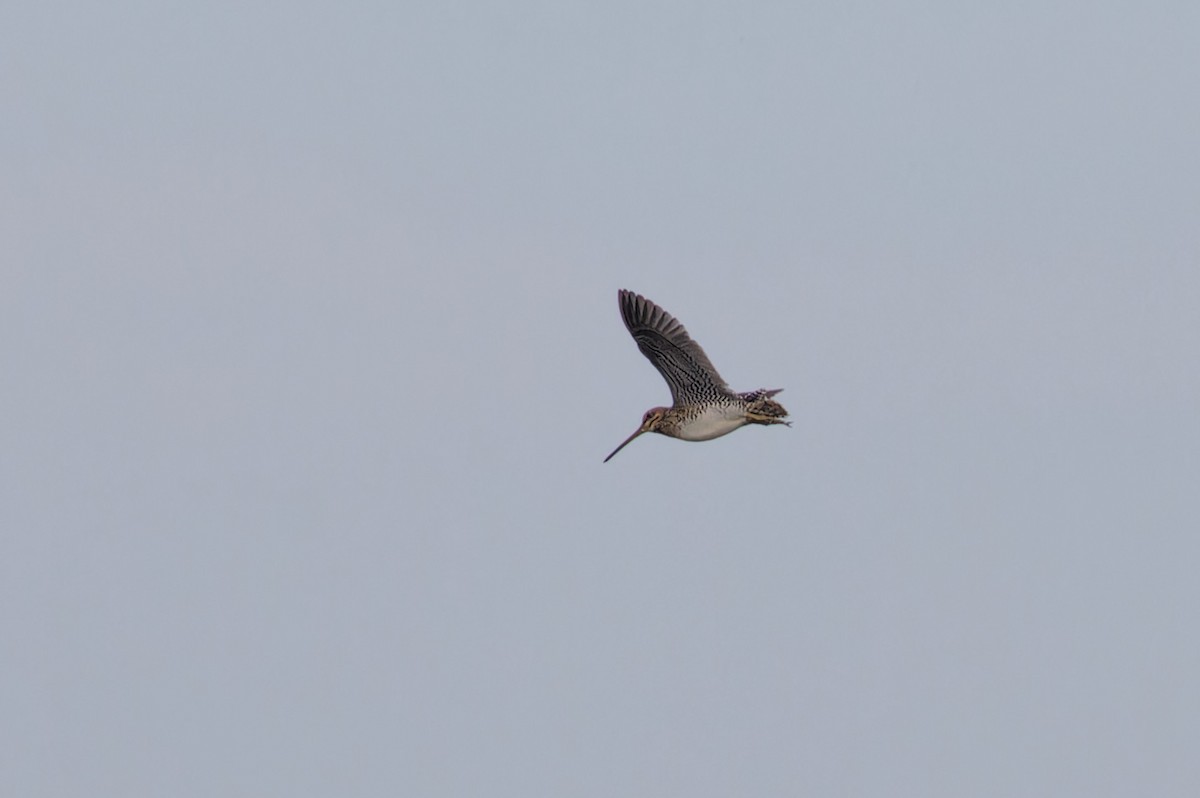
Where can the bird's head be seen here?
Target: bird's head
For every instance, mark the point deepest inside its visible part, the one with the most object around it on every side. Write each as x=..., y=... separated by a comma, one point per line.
x=651, y=422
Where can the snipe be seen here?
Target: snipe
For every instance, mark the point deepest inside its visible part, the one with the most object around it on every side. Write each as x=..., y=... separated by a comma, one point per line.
x=704, y=406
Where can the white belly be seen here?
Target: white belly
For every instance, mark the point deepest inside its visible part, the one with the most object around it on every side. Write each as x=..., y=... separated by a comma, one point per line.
x=713, y=423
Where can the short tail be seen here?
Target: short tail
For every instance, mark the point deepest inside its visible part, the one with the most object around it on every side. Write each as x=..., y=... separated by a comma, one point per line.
x=761, y=409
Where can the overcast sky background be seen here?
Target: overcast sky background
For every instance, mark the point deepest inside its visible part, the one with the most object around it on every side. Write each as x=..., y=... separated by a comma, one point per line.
x=310, y=353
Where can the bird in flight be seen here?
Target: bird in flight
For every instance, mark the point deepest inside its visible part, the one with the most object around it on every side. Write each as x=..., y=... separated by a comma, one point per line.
x=703, y=406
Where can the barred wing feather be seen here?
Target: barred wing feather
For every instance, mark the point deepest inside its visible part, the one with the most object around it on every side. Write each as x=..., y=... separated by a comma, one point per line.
x=667, y=345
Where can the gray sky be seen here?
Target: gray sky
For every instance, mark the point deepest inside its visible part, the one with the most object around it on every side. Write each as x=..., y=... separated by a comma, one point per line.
x=310, y=354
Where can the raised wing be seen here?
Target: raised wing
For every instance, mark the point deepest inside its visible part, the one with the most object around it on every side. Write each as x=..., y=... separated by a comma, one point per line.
x=667, y=345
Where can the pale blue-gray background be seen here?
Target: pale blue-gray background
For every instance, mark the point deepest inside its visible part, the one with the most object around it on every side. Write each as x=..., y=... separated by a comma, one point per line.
x=309, y=353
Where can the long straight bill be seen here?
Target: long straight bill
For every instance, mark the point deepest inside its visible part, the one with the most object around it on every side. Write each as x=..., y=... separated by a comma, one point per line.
x=639, y=431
